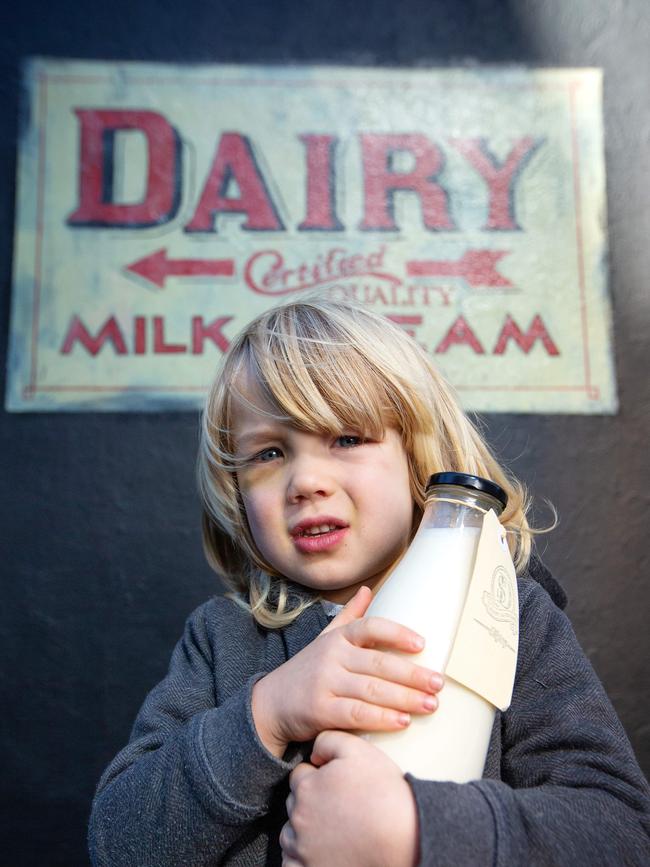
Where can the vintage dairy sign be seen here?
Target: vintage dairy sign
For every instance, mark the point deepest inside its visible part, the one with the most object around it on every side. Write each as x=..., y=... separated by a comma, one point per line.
x=161, y=207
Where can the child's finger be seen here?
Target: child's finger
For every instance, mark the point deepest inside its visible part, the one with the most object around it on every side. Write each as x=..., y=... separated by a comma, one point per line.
x=394, y=668
x=371, y=632
x=288, y=844
x=332, y=744
x=299, y=773
x=385, y=694
x=353, y=610
x=353, y=714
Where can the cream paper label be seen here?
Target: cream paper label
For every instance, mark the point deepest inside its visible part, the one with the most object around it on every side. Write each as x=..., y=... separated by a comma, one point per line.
x=484, y=655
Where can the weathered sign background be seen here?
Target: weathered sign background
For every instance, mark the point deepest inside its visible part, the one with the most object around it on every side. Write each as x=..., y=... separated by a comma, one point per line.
x=160, y=207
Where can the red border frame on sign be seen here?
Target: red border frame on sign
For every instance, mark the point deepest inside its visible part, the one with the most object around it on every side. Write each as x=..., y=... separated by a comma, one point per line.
x=592, y=391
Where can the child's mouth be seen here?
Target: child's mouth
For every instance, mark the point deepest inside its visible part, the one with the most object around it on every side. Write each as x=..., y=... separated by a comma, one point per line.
x=311, y=537
x=318, y=531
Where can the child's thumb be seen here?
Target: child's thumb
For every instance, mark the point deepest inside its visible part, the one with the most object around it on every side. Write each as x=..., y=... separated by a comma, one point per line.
x=354, y=609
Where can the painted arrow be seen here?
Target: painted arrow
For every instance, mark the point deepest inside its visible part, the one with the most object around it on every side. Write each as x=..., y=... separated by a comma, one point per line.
x=156, y=268
x=477, y=267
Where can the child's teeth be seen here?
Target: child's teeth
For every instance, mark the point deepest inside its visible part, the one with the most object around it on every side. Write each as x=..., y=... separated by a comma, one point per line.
x=315, y=531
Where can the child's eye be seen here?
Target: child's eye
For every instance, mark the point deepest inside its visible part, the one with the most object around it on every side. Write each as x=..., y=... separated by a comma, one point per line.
x=347, y=441
x=269, y=454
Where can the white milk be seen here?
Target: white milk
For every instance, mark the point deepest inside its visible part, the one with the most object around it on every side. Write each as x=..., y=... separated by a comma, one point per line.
x=426, y=592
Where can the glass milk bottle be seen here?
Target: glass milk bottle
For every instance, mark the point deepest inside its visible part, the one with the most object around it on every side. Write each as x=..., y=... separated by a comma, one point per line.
x=426, y=592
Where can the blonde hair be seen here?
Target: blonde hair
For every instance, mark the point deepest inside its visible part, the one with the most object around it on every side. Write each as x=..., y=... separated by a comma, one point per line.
x=332, y=366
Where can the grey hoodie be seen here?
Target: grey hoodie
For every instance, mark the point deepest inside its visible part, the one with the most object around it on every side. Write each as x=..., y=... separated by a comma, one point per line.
x=195, y=785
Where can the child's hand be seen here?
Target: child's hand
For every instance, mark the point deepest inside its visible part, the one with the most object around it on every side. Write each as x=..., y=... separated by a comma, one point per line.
x=345, y=680
x=354, y=808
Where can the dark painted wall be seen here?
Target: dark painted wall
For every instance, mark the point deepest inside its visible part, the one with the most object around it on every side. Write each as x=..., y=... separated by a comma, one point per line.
x=101, y=558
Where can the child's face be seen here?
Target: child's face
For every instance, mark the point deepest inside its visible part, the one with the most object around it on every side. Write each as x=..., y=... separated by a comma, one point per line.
x=330, y=513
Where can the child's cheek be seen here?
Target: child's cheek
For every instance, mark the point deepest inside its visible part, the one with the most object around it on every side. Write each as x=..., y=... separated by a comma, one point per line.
x=247, y=480
x=256, y=505
x=255, y=520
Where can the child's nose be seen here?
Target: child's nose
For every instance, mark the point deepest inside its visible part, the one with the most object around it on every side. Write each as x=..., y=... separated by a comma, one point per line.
x=309, y=479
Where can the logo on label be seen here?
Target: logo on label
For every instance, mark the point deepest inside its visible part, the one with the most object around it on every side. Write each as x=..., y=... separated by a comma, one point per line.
x=499, y=602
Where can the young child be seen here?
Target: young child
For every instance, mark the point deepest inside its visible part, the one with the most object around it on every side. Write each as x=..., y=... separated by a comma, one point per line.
x=318, y=438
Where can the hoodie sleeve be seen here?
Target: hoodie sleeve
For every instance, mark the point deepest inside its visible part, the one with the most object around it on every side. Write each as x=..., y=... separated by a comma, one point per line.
x=194, y=776
x=571, y=792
